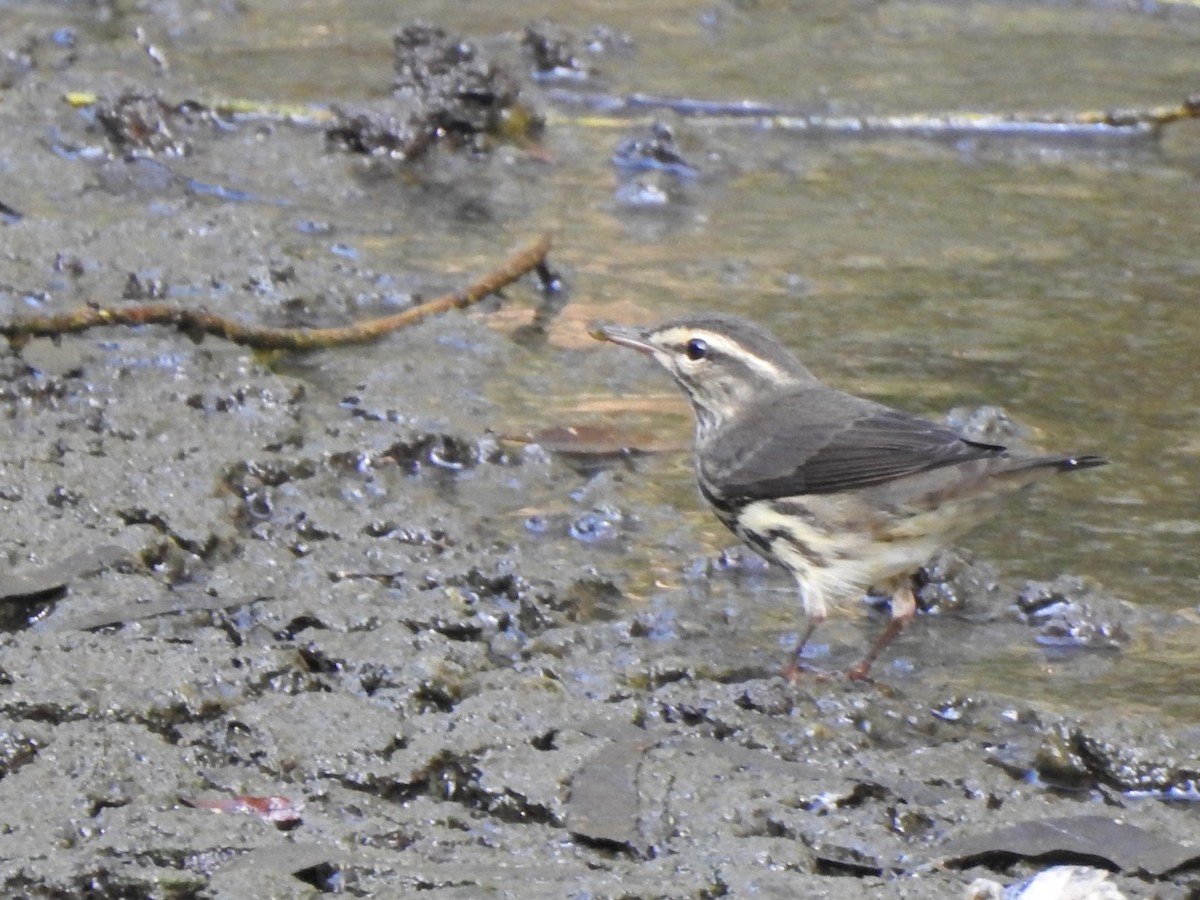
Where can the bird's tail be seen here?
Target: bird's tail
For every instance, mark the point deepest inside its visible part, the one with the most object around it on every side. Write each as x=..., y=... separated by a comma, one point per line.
x=1072, y=463
x=1027, y=465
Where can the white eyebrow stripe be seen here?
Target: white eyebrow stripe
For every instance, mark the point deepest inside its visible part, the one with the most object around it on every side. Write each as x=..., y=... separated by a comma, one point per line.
x=721, y=344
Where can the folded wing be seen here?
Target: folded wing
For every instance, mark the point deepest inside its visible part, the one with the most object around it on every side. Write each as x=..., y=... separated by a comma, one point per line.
x=818, y=442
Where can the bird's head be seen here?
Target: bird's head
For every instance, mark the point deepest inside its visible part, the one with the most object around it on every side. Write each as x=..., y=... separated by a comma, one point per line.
x=721, y=362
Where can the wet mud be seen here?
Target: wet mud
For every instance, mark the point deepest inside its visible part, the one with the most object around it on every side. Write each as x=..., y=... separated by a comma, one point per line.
x=472, y=649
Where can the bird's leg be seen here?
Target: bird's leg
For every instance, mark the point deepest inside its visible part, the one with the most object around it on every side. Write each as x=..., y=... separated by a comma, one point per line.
x=904, y=607
x=792, y=670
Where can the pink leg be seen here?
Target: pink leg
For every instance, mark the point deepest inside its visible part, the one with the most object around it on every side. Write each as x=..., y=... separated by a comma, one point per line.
x=904, y=607
x=792, y=671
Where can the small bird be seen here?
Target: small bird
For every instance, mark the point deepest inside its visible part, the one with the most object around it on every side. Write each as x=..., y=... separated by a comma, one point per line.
x=845, y=493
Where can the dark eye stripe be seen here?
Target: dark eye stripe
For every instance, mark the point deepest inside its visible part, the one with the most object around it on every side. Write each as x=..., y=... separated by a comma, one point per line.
x=729, y=362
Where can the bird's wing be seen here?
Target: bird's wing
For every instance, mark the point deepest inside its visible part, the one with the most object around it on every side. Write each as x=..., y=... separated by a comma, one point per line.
x=822, y=441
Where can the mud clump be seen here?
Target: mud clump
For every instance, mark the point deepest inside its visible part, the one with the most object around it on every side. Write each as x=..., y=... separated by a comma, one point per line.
x=445, y=92
x=143, y=123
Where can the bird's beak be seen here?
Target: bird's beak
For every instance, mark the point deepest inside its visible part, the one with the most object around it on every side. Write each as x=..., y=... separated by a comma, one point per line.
x=634, y=338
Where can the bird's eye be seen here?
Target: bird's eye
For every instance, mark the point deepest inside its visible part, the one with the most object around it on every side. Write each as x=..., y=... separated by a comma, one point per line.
x=696, y=349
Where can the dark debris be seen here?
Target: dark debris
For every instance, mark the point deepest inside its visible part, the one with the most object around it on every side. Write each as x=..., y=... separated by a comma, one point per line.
x=143, y=123
x=552, y=52
x=657, y=151
x=1069, y=616
x=445, y=91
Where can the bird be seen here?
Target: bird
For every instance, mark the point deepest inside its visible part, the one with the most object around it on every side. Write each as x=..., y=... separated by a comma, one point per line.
x=845, y=493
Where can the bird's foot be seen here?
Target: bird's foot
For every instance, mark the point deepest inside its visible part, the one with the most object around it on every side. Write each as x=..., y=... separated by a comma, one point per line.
x=860, y=672
x=796, y=672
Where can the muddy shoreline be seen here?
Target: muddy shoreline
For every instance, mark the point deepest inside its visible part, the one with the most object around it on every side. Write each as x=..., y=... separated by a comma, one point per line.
x=470, y=663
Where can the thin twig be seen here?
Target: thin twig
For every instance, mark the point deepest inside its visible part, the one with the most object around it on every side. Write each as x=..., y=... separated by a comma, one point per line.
x=1121, y=123
x=197, y=322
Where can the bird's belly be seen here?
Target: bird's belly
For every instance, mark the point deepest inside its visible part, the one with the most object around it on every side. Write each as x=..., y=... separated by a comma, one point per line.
x=835, y=551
